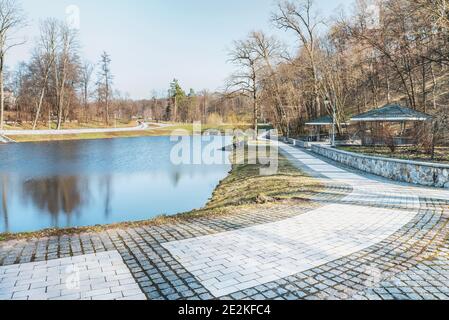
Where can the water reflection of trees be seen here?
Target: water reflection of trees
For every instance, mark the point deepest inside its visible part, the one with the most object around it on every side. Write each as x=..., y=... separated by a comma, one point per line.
x=4, y=186
x=60, y=197
x=176, y=177
x=105, y=184
x=66, y=195
x=57, y=195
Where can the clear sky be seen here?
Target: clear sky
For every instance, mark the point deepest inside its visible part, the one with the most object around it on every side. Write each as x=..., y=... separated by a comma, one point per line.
x=153, y=41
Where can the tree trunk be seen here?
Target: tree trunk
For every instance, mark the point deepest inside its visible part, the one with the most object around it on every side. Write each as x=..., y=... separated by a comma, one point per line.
x=388, y=90
x=256, y=113
x=424, y=85
x=41, y=98
x=61, y=97
x=2, y=96
x=316, y=89
x=107, y=105
x=39, y=106
x=55, y=66
x=434, y=80
x=175, y=109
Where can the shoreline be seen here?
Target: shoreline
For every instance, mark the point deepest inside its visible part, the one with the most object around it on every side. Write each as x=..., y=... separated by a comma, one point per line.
x=165, y=130
x=232, y=194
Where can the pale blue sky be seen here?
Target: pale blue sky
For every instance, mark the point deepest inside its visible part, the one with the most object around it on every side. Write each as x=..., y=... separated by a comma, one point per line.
x=153, y=41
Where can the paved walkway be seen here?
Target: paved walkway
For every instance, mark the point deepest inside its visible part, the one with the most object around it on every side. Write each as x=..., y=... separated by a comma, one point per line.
x=363, y=238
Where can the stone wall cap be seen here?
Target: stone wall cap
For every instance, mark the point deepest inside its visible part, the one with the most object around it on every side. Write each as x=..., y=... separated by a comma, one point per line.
x=410, y=162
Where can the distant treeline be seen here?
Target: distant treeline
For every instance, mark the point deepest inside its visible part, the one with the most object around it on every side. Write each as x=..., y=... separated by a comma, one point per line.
x=382, y=51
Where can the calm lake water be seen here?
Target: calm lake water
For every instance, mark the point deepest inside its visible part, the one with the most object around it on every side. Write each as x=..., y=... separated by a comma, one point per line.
x=85, y=183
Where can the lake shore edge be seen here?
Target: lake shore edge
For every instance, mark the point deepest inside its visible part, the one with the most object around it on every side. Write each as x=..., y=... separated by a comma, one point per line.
x=243, y=188
x=150, y=132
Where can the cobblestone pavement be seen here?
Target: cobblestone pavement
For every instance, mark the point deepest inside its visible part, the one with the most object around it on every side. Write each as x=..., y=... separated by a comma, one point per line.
x=362, y=238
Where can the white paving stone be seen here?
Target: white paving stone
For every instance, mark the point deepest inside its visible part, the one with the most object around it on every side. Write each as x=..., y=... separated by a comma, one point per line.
x=277, y=250
x=73, y=278
x=296, y=244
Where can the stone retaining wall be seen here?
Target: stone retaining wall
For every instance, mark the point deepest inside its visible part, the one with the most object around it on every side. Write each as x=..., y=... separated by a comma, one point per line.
x=426, y=174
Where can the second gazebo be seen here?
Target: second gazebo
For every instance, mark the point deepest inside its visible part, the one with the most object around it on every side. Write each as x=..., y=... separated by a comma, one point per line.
x=389, y=123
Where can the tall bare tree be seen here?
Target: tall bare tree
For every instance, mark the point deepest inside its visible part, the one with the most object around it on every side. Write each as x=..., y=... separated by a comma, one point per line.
x=105, y=82
x=268, y=49
x=87, y=70
x=11, y=20
x=246, y=79
x=64, y=66
x=298, y=16
x=44, y=59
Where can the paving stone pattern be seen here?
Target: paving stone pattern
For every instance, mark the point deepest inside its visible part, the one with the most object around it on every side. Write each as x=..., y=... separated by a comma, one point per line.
x=361, y=238
x=101, y=276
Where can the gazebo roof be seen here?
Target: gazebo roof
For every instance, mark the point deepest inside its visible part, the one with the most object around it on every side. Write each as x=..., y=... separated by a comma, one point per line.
x=392, y=113
x=323, y=121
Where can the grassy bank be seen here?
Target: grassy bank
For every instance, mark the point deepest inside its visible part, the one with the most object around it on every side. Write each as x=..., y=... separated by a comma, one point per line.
x=163, y=131
x=73, y=125
x=403, y=153
x=243, y=188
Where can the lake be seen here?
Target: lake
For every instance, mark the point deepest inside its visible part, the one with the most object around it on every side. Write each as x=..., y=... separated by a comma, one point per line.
x=86, y=183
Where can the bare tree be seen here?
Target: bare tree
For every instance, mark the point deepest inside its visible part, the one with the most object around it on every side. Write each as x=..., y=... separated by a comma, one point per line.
x=11, y=19
x=246, y=79
x=298, y=16
x=44, y=58
x=87, y=70
x=204, y=105
x=268, y=49
x=64, y=65
x=105, y=82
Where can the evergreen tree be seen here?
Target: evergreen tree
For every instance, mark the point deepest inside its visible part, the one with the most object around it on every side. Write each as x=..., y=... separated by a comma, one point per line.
x=177, y=95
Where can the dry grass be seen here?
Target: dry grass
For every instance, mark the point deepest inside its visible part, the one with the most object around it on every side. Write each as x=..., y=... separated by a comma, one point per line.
x=163, y=131
x=86, y=136
x=246, y=186
x=73, y=125
x=243, y=188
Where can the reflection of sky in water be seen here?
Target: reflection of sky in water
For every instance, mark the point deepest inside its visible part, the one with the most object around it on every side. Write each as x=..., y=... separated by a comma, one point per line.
x=81, y=183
